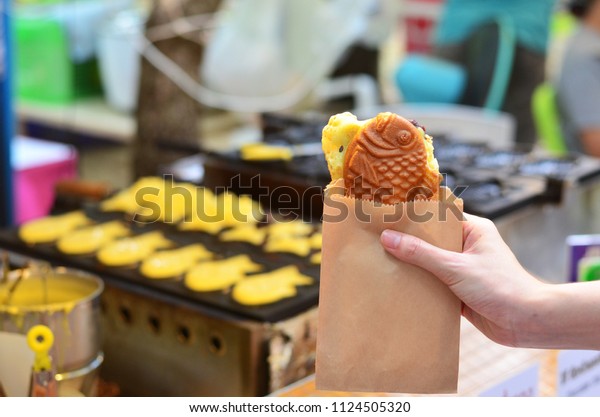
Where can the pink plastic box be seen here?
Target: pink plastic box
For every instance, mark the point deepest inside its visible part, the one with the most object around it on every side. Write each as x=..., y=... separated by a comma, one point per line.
x=38, y=165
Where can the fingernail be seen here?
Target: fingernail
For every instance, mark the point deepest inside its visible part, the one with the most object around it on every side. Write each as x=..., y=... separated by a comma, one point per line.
x=390, y=239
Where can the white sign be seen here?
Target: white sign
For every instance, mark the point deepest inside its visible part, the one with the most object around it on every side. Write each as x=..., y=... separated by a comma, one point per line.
x=523, y=384
x=578, y=373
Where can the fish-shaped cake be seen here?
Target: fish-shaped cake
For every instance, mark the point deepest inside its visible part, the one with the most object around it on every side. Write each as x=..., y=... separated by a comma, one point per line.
x=389, y=160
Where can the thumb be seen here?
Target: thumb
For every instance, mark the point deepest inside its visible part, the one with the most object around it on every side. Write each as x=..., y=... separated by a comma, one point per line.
x=417, y=252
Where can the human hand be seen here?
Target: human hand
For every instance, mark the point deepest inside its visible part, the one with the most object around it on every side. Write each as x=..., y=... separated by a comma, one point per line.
x=495, y=289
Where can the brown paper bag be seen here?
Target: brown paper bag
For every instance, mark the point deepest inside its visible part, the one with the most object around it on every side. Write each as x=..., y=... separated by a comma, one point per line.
x=385, y=326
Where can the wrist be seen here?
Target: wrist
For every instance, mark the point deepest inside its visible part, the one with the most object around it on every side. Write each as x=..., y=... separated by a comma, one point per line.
x=536, y=315
x=560, y=316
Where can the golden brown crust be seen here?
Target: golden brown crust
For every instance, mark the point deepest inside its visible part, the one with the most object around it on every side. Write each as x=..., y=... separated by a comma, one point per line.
x=387, y=162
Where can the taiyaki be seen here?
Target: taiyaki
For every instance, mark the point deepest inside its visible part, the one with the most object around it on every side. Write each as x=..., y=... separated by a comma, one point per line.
x=221, y=274
x=131, y=250
x=280, y=229
x=390, y=160
x=174, y=262
x=338, y=133
x=90, y=239
x=245, y=233
x=270, y=287
x=51, y=228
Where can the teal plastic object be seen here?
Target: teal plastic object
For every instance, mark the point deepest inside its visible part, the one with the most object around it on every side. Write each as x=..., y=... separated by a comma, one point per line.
x=424, y=79
x=547, y=119
x=487, y=57
x=504, y=63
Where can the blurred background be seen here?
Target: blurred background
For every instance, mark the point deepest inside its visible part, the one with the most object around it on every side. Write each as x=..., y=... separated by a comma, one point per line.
x=116, y=78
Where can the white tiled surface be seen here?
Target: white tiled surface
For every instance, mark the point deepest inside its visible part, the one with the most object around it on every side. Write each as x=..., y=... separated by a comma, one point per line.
x=484, y=363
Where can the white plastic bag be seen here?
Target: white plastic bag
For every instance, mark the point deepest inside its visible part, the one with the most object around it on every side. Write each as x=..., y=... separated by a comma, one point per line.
x=264, y=47
x=267, y=55
x=246, y=55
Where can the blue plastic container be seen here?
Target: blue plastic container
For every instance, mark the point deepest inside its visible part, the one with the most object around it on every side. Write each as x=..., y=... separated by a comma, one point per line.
x=6, y=116
x=424, y=79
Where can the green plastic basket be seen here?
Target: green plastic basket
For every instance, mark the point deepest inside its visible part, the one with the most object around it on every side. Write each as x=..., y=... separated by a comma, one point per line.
x=44, y=71
x=547, y=119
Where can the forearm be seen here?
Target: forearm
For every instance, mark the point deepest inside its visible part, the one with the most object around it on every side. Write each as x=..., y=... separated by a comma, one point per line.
x=565, y=316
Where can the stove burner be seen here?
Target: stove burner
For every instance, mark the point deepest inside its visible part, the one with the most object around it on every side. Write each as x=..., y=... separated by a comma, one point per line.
x=482, y=192
x=297, y=135
x=462, y=176
x=549, y=167
x=449, y=152
x=500, y=159
x=292, y=130
x=310, y=166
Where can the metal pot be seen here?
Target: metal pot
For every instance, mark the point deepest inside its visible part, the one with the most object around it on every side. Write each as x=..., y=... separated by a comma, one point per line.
x=65, y=300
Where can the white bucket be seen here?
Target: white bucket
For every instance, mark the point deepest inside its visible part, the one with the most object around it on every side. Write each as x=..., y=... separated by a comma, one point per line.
x=119, y=59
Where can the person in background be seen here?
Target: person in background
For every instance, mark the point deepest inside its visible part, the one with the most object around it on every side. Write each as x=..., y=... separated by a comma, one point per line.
x=502, y=299
x=578, y=84
x=531, y=20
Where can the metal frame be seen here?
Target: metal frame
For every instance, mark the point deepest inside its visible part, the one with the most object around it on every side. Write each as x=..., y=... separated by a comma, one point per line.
x=6, y=117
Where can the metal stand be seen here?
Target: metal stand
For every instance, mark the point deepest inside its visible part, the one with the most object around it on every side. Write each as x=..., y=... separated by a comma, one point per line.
x=6, y=117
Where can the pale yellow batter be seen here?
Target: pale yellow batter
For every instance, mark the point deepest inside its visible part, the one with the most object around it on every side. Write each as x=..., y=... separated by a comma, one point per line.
x=269, y=287
x=131, y=250
x=49, y=229
x=220, y=275
x=90, y=239
x=172, y=263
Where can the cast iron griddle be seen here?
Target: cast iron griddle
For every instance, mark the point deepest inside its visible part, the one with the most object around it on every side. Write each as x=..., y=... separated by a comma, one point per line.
x=218, y=302
x=558, y=173
x=468, y=159
x=487, y=195
x=294, y=186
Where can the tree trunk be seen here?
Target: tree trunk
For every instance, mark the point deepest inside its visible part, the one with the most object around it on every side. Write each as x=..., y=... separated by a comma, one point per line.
x=167, y=118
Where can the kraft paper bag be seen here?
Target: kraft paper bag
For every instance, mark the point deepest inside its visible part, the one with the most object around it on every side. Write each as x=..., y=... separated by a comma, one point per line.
x=386, y=326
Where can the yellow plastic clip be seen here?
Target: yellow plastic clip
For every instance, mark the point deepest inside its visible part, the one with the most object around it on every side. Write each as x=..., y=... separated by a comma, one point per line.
x=40, y=340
